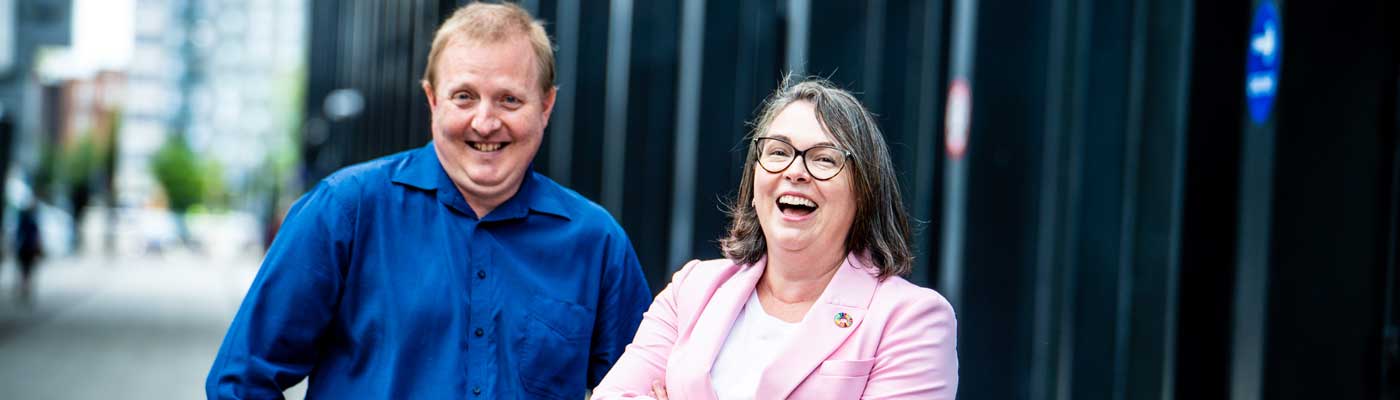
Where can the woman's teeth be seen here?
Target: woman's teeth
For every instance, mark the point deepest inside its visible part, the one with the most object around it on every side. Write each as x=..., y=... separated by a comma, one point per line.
x=796, y=201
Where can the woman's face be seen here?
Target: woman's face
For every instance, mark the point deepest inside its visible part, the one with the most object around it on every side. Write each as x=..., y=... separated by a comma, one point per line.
x=796, y=211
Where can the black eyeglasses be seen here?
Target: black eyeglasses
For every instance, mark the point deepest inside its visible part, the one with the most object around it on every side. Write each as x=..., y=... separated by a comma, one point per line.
x=823, y=162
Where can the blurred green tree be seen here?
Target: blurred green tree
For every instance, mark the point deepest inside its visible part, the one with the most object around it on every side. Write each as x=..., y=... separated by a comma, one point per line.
x=179, y=173
x=215, y=196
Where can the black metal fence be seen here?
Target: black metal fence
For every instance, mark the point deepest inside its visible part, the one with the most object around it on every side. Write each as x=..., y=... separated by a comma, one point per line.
x=1117, y=227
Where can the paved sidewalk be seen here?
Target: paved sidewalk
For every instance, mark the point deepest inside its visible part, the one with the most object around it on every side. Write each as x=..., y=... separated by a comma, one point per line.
x=125, y=328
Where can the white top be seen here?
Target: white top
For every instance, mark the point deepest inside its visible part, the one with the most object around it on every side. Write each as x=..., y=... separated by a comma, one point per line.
x=754, y=341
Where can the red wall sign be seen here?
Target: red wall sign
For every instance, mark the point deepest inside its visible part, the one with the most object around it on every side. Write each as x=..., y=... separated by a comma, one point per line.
x=957, y=118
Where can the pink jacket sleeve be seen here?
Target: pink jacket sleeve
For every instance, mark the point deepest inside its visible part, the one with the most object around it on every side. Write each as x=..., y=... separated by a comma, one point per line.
x=645, y=359
x=918, y=356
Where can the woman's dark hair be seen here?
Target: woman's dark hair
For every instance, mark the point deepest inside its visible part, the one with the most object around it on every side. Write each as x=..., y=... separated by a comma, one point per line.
x=881, y=224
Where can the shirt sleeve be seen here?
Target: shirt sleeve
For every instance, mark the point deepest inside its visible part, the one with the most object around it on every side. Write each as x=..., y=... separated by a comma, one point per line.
x=646, y=358
x=625, y=297
x=272, y=343
x=918, y=357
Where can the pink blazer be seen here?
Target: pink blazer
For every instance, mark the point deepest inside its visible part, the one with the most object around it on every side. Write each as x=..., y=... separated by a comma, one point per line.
x=901, y=342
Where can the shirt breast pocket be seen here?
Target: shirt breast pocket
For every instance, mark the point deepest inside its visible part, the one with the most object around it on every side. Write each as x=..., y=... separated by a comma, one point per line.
x=552, y=349
x=847, y=368
x=836, y=379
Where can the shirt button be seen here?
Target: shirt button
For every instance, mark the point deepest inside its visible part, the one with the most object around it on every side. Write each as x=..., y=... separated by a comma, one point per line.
x=476, y=390
x=480, y=332
x=481, y=274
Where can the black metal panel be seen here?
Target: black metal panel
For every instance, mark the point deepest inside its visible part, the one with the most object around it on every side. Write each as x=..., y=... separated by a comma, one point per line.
x=910, y=111
x=837, y=43
x=650, y=138
x=1210, y=204
x=320, y=81
x=589, y=105
x=419, y=124
x=1326, y=292
x=1073, y=181
x=1160, y=90
x=1390, y=366
x=1100, y=274
x=563, y=28
x=1002, y=157
x=361, y=42
x=1061, y=167
x=548, y=11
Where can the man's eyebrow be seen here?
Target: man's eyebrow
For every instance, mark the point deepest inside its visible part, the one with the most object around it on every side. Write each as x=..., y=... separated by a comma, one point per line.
x=523, y=94
x=451, y=86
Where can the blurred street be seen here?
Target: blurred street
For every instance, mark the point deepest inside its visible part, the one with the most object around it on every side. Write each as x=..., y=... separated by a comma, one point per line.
x=119, y=327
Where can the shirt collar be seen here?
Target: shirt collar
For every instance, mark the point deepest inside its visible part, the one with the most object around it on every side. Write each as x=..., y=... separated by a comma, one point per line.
x=421, y=169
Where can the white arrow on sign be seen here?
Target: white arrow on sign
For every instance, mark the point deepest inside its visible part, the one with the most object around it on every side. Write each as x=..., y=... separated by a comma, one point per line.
x=1264, y=43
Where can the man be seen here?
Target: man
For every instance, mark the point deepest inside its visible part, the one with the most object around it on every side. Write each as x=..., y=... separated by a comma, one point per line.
x=450, y=271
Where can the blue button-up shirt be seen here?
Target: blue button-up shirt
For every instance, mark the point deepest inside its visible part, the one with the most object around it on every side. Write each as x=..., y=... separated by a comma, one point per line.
x=383, y=283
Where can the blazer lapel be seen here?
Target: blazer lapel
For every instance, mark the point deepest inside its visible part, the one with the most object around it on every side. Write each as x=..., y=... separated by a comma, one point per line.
x=712, y=327
x=819, y=334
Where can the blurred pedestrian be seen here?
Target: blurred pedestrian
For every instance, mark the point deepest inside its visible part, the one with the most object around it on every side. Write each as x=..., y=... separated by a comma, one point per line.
x=28, y=249
x=452, y=270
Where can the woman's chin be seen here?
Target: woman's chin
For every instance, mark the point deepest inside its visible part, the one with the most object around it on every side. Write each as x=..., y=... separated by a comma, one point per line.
x=792, y=241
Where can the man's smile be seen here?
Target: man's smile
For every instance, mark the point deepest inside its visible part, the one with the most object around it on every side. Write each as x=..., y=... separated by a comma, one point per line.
x=488, y=147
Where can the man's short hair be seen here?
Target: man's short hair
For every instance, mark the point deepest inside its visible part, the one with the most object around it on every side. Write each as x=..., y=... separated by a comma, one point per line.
x=493, y=23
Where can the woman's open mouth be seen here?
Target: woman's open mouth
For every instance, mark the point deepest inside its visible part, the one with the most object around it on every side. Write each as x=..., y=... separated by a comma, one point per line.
x=796, y=206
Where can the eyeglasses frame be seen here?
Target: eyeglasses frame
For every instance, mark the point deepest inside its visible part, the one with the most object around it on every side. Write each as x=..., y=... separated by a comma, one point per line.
x=849, y=158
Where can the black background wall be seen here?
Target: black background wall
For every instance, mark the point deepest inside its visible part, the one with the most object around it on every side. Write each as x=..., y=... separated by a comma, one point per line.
x=1123, y=229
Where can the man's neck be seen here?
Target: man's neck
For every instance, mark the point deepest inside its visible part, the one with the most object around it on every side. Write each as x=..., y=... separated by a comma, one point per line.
x=483, y=205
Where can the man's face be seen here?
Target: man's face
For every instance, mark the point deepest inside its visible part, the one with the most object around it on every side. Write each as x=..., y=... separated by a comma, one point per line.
x=489, y=115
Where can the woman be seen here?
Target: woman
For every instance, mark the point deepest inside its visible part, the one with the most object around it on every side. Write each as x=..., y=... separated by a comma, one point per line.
x=810, y=302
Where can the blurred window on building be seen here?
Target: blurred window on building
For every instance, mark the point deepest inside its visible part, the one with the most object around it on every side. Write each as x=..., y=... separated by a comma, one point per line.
x=7, y=36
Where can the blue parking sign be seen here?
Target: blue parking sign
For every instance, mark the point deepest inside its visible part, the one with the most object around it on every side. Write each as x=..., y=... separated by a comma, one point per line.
x=1261, y=68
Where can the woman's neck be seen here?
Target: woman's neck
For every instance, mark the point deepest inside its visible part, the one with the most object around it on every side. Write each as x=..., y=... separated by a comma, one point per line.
x=798, y=277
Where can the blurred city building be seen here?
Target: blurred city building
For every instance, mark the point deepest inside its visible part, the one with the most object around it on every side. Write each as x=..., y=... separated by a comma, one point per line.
x=154, y=95
x=26, y=27
x=226, y=77
x=227, y=74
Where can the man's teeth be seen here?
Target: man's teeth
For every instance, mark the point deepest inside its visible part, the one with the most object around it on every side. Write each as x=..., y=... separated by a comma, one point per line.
x=796, y=201
x=487, y=147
